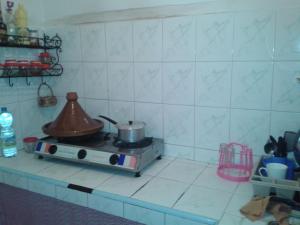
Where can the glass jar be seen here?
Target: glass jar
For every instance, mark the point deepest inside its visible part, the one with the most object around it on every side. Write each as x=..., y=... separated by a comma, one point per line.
x=10, y=67
x=34, y=37
x=23, y=67
x=36, y=68
x=45, y=58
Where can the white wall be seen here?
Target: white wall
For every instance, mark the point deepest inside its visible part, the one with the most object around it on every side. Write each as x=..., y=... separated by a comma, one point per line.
x=61, y=8
x=21, y=99
x=197, y=81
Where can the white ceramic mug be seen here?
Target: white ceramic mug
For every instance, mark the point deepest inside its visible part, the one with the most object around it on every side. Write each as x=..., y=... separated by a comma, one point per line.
x=274, y=170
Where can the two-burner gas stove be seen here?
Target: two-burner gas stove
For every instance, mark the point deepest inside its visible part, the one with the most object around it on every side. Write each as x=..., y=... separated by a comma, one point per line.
x=103, y=149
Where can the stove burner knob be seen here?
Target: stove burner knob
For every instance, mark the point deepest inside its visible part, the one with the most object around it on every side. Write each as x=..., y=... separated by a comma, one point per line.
x=114, y=159
x=81, y=154
x=52, y=149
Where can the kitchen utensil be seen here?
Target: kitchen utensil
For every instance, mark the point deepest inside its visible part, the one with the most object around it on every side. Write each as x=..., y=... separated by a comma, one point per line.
x=235, y=162
x=46, y=101
x=274, y=170
x=29, y=144
x=281, y=147
x=133, y=131
x=291, y=139
x=73, y=121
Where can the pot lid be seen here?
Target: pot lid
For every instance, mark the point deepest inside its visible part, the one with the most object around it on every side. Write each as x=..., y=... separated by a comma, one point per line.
x=131, y=125
x=72, y=121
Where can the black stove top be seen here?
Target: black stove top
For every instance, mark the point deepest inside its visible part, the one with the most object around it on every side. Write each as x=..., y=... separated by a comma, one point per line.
x=140, y=144
x=101, y=139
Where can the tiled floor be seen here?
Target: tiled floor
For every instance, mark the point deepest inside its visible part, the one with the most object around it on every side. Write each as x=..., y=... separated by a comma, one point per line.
x=184, y=185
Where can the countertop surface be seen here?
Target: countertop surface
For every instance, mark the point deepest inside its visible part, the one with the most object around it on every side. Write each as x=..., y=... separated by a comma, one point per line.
x=185, y=185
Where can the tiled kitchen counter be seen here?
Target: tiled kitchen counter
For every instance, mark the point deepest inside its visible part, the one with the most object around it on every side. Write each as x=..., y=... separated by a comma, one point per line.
x=169, y=192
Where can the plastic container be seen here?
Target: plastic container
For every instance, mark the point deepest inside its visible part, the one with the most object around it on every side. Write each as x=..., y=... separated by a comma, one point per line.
x=29, y=144
x=288, y=162
x=263, y=186
x=7, y=134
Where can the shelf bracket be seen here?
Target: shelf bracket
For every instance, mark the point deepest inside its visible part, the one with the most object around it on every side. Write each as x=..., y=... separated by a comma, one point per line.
x=9, y=82
x=28, y=82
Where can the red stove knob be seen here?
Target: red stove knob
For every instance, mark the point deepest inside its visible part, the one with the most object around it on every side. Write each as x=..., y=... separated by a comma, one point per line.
x=52, y=149
x=81, y=154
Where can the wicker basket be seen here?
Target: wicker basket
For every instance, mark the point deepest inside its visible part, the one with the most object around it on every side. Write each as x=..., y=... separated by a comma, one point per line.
x=46, y=101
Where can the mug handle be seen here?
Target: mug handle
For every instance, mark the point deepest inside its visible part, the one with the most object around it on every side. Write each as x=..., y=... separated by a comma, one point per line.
x=260, y=169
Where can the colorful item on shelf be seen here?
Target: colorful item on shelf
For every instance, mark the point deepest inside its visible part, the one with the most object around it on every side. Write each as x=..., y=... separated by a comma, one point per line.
x=21, y=21
x=45, y=57
x=34, y=37
x=11, y=28
x=3, y=28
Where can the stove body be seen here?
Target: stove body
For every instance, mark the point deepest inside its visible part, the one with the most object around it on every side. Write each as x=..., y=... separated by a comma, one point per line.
x=103, y=149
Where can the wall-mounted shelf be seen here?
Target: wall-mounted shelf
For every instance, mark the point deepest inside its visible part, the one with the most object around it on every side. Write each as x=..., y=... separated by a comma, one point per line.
x=46, y=43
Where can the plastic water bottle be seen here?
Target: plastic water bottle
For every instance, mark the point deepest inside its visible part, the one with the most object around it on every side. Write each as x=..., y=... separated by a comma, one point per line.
x=7, y=135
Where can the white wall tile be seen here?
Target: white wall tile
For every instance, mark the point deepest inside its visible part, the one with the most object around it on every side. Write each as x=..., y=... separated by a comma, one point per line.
x=205, y=155
x=93, y=42
x=287, y=34
x=143, y=215
x=95, y=80
x=215, y=36
x=70, y=81
x=252, y=85
x=178, y=83
x=41, y=187
x=70, y=36
x=119, y=41
x=147, y=40
x=95, y=107
x=213, y=83
x=179, y=151
x=179, y=39
x=254, y=35
x=184, y=171
x=250, y=127
x=148, y=82
x=72, y=196
x=284, y=121
x=15, y=180
x=286, y=95
x=179, y=125
x=212, y=127
x=204, y=201
x=120, y=78
x=121, y=112
x=105, y=205
x=176, y=220
x=30, y=112
x=152, y=115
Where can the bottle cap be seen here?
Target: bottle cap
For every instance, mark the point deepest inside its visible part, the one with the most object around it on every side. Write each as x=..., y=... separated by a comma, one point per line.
x=3, y=109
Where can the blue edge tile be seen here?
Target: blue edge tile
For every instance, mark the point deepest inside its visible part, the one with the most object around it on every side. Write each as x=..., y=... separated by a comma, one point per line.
x=128, y=200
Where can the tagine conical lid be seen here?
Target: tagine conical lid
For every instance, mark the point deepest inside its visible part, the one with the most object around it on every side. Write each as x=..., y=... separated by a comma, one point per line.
x=73, y=121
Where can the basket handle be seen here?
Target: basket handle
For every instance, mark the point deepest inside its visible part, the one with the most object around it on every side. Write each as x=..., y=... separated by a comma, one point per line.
x=47, y=85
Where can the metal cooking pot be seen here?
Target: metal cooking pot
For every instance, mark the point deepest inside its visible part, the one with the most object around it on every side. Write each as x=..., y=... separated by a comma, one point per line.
x=133, y=131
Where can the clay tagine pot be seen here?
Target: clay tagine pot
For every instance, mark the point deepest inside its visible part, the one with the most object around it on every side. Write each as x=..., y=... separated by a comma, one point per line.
x=73, y=121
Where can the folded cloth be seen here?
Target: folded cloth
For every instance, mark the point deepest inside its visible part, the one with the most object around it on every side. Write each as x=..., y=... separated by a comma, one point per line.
x=256, y=208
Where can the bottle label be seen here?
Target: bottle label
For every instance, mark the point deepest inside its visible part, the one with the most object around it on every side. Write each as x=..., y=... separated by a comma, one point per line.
x=9, y=142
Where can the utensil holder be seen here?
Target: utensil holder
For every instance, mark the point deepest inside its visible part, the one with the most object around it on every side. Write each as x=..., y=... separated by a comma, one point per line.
x=235, y=162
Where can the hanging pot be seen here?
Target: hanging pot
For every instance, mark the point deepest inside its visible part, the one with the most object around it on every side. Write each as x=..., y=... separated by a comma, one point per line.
x=46, y=101
x=133, y=131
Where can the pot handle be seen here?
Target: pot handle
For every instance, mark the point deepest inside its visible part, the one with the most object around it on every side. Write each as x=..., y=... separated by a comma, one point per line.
x=108, y=119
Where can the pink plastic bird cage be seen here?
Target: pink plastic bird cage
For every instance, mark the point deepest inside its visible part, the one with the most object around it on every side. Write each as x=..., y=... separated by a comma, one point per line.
x=235, y=162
